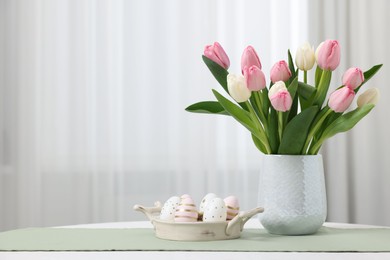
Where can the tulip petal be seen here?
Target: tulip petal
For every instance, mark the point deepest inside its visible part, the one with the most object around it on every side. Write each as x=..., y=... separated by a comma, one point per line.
x=353, y=78
x=280, y=71
x=281, y=101
x=237, y=88
x=249, y=58
x=255, y=78
x=370, y=96
x=341, y=99
x=217, y=54
x=329, y=55
x=305, y=57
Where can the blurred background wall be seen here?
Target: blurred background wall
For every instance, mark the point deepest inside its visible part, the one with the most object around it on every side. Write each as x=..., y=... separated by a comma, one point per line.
x=92, y=98
x=357, y=163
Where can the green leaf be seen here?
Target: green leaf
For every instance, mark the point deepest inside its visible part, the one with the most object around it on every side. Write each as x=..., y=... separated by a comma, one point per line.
x=305, y=92
x=241, y=115
x=218, y=72
x=296, y=132
x=320, y=115
x=342, y=124
x=369, y=74
x=207, y=107
x=322, y=88
x=347, y=121
x=252, y=100
x=291, y=66
x=317, y=76
x=316, y=127
x=259, y=144
x=293, y=110
x=265, y=101
x=330, y=119
x=292, y=89
x=273, y=136
x=255, y=101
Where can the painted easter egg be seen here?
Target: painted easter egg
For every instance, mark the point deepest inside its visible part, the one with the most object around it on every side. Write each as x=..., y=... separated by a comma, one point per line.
x=169, y=209
x=215, y=211
x=232, y=207
x=186, y=211
x=206, y=199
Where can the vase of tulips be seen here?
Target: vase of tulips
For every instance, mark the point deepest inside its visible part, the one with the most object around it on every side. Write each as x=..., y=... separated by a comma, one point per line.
x=289, y=121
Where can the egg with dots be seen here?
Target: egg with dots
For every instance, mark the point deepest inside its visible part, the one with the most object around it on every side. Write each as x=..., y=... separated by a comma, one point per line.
x=186, y=210
x=206, y=199
x=169, y=209
x=215, y=211
x=232, y=207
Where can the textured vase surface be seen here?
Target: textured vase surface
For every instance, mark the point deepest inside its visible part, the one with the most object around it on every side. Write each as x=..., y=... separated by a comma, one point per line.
x=292, y=192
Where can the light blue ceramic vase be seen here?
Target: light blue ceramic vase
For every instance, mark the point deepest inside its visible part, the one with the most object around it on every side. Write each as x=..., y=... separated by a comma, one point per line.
x=292, y=192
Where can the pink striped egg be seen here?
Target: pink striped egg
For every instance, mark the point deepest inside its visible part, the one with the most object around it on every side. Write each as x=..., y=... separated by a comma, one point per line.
x=232, y=207
x=186, y=211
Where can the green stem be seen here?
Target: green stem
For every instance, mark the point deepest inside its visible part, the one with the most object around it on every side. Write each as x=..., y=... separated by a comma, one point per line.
x=322, y=88
x=262, y=134
x=314, y=129
x=316, y=147
x=305, y=76
x=280, y=124
x=260, y=108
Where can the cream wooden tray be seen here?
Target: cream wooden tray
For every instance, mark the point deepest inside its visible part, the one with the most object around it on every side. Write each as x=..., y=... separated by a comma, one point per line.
x=196, y=231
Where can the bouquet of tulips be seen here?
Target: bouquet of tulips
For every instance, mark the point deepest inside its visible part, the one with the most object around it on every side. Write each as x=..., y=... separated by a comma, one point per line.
x=289, y=117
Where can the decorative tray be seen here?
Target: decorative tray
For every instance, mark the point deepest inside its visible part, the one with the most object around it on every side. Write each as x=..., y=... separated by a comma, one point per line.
x=196, y=231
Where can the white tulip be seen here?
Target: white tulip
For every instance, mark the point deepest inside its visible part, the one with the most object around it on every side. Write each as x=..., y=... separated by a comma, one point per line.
x=305, y=58
x=370, y=96
x=278, y=86
x=317, y=50
x=237, y=87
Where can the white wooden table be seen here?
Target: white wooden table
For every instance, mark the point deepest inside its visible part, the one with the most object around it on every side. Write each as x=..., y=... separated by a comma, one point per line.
x=191, y=255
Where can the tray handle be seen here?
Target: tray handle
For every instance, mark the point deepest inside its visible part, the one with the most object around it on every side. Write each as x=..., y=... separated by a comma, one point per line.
x=150, y=212
x=242, y=218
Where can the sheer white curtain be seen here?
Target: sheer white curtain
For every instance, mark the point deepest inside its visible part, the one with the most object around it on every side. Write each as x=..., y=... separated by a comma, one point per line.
x=92, y=98
x=357, y=163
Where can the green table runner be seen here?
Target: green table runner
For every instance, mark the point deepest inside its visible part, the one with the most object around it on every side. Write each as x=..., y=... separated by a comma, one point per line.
x=77, y=239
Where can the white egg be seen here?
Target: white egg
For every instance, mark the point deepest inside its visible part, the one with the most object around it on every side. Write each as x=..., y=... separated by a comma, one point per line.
x=169, y=208
x=232, y=207
x=206, y=200
x=215, y=211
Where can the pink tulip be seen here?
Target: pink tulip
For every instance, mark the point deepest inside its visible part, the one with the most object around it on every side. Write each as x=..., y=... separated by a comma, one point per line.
x=341, y=99
x=280, y=72
x=217, y=54
x=249, y=58
x=281, y=101
x=254, y=77
x=353, y=78
x=280, y=97
x=328, y=55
